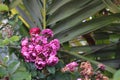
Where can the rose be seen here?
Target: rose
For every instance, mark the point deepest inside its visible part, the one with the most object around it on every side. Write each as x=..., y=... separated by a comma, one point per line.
x=52, y=60
x=34, y=30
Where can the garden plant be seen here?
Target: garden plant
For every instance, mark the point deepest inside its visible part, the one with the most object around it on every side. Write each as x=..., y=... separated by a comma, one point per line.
x=59, y=39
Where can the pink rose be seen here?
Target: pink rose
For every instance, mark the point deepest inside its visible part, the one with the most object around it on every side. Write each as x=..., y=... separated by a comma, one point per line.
x=55, y=44
x=39, y=63
x=52, y=60
x=47, y=33
x=71, y=66
x=24, y=42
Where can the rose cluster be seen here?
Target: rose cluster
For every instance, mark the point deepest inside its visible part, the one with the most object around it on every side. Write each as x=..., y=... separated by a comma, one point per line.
x=39, y=49
x=86, y=70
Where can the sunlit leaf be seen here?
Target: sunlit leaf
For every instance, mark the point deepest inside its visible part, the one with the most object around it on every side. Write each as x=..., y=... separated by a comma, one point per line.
x=14, y=38
x=3, y=7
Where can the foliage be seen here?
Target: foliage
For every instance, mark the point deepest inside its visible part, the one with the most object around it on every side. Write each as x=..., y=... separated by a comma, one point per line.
x=73, y=22
x=3, y=7
x=11, y=67
x=117, y=75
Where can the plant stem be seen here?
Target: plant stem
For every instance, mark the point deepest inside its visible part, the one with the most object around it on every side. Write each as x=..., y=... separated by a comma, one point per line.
x=44, y=14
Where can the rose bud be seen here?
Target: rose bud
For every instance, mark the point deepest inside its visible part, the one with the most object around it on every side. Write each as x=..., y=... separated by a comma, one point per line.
x=34, y=30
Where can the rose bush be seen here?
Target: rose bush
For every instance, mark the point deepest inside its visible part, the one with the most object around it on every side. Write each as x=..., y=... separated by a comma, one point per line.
x=39, y=50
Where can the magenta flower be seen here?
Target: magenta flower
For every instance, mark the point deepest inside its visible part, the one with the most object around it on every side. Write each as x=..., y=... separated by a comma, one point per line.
x=55, y=44
x=101, y=66
x=38, y=39
x=41, y=40
x=26, y=56
x=39, y=50
x=52, y=60
x=24, y=42
x=48, y=50
x=31, y=47
x=32, y=39
x=24, y=49
x=72, y=66
x=34, y=30
x=39, y=63
x=32, y=56
x=47, y=33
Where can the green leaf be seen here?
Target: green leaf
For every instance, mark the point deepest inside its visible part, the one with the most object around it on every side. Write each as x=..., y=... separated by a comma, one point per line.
x=41, y=75
x=24, y=31
x=0, y=35
x=95, y=48
x=113, y=27
x=21, y=76
x=67, y=10
x=77, y=18
x=3, y=72
x=114, y=63
x=34, y=73
x=3, y=7
x=6, y=59
x=114, y=8
x=6, y=41
x=117, y=75
x=49, y=77
x=14, y=38
x=59, y=76
x=51, y=69
x=63, y=76
x=86, y=27
x=56, y=4
x=59, y=65
x=13, y=67
x=34, y=12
